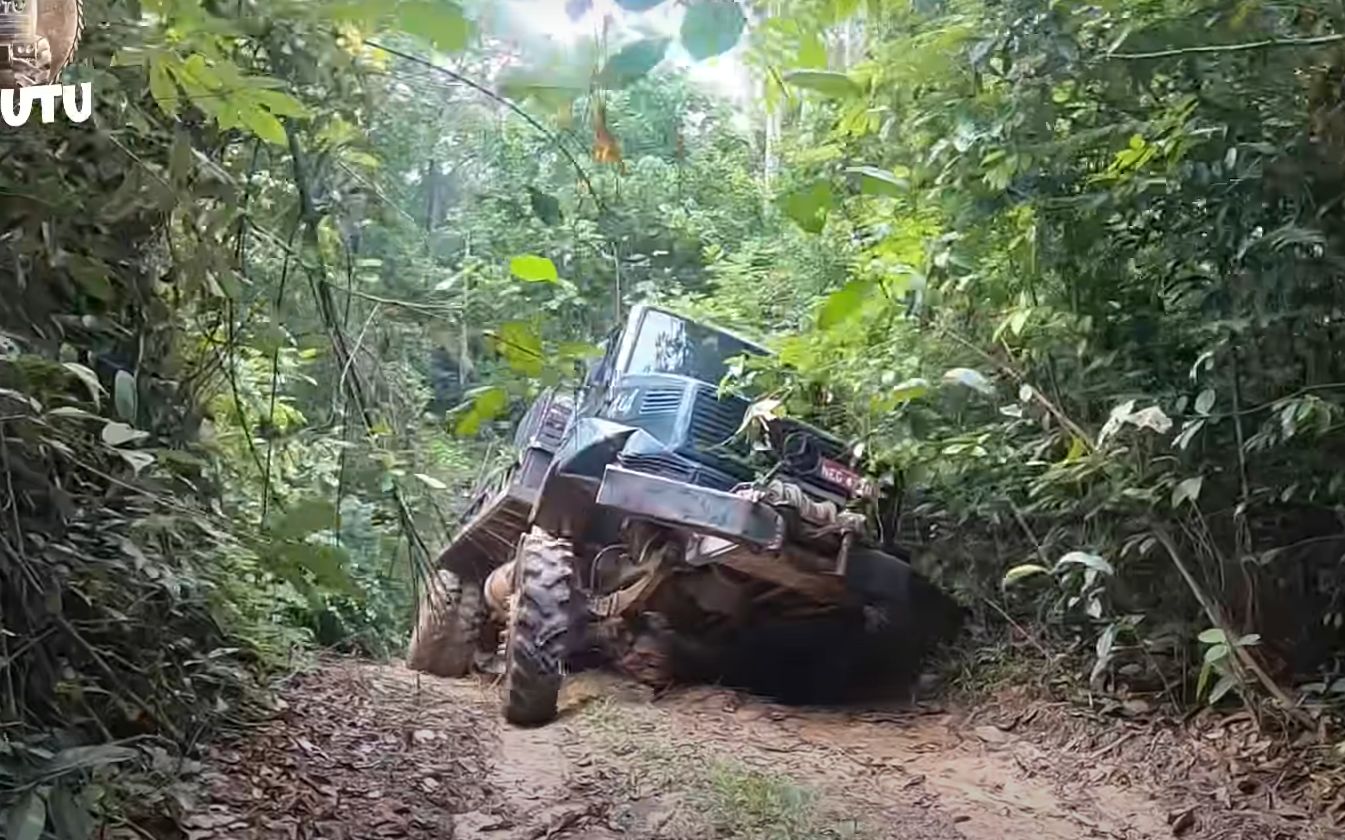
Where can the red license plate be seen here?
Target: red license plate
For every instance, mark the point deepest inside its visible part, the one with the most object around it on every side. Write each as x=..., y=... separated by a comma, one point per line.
x=844, y=476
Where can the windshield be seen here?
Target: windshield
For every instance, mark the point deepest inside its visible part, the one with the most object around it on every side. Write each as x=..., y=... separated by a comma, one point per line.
x=667, y=344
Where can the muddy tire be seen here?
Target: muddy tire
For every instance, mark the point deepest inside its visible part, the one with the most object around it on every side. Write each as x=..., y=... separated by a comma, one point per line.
x=448, y=627
x=545, y=620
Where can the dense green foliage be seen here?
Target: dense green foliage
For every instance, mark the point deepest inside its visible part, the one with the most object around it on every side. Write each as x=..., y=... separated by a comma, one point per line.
x=1124, y=243
x=1065, y=275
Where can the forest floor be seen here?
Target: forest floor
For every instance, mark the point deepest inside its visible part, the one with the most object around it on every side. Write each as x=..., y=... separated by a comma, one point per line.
x=363, y=750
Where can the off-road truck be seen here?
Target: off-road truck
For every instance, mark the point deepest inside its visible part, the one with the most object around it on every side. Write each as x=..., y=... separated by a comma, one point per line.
x=635, y=512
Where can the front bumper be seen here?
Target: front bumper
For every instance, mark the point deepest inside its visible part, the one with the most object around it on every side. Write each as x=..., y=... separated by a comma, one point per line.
x=701, y=510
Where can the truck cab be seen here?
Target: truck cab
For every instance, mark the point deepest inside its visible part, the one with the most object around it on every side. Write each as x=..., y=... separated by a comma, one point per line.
x=661, y=373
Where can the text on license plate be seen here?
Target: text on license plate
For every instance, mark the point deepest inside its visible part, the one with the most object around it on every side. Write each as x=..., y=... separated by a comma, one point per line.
x=845, y=477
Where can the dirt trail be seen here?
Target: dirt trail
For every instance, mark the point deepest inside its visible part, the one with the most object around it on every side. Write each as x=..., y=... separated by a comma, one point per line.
x=378, y=751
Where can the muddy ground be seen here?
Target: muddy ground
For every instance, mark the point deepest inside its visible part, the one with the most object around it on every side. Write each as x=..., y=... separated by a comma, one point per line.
x=372, y=751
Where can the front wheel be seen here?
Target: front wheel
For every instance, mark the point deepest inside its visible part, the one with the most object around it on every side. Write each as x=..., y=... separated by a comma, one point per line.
x=545, y=619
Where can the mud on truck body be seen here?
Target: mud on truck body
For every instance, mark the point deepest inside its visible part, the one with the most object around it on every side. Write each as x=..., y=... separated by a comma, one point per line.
x=634, y=513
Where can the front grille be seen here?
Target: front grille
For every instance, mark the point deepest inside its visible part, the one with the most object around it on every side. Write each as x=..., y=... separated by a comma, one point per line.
x=658, y=402
x=714, y=422
x=668, y=465
x=665, y=465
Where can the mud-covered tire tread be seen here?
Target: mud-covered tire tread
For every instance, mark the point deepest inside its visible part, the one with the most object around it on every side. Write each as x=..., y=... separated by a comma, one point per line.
x=544, y=623
x=448, y=627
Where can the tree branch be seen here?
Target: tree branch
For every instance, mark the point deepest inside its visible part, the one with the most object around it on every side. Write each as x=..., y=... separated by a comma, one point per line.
x=1269, y=43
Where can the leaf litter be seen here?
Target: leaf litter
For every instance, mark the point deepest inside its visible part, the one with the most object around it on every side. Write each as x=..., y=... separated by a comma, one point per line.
x=354, y=754
x=362, y=750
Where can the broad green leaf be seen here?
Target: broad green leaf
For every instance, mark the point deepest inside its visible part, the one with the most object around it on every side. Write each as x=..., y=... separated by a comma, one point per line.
x=826, y=82
x=533, y=269
x=1187, y=490
x=843, y=303
x=1212, y=636
x=439, y=22
x=812, y=51
x=521, y=347
x=809, y=206
x=1225, y=684
x=486, y=404
x=875, y=181
x=969, y=378
x=1205, y=401
x=468, y=424
x=431, y=482
x=73, y=413
x=124, y=395
x=1216, y=653
x=711, y=27
x=1086, y=559
x=161, y=85
x=280, y=103
x=491, y=402
x=120, y=434
x=1077, y=448
x=1249, y=640
x=632, y=63
x=1188, y=433
x=1106, y=641
x=1205, y=671
x=1017, y=573
x=199, y=78
x=90, y=380
x=262, y=123
x=26, y=818
x=910, y=389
